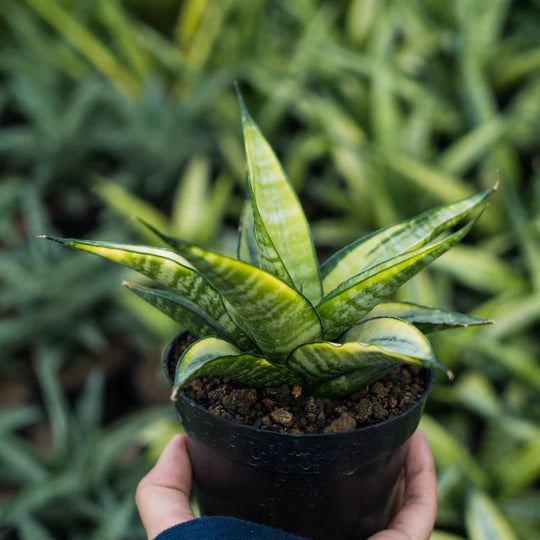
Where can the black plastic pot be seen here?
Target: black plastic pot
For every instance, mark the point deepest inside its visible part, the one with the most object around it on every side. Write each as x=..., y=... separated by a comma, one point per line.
x=331, y=486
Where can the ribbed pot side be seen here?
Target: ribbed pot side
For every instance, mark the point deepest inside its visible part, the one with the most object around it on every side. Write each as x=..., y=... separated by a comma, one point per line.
x=323, y=487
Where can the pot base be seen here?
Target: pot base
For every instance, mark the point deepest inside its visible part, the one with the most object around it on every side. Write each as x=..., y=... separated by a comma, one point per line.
x=348, y=505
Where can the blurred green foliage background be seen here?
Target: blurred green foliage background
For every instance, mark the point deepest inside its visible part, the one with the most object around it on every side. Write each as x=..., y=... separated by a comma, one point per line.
x=378, y=109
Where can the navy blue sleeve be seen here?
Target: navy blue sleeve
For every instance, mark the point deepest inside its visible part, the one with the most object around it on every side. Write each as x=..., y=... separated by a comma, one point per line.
x=223, y=528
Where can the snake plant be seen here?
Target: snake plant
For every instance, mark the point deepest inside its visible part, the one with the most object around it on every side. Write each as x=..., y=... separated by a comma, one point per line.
x=273, y=315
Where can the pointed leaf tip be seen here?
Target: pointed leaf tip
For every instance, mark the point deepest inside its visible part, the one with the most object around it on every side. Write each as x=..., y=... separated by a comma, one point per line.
x=243, y=109
x=146, y=224
x=498, y=182
x=167, y=239
x=425, y=318
x=396, y=240
x=57, y=239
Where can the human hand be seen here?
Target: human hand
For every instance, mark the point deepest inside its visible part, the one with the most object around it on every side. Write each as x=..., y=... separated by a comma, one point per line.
x=163, y=494
x=415, y=509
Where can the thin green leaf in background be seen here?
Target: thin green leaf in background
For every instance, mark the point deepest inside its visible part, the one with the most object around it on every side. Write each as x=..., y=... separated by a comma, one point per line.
x=86, y=43
x=484, y=520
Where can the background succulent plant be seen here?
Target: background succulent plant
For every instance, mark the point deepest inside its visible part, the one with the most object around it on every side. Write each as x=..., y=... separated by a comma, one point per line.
x=273, y=316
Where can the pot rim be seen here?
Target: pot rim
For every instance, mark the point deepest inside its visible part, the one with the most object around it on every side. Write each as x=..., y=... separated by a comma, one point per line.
x=418, y=403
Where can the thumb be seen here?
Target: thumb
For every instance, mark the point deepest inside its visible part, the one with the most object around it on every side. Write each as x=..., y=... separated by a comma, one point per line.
x=163, y=494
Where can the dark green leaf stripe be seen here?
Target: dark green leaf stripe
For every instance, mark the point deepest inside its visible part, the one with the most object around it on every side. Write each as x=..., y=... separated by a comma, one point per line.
x=396, y=240
x=426, y=319
x=274, y=314
x=360, y=294
x=381, y=342
x=167, y=268
x=370, y=350
x=212, y=356
x=189, y=315
x=347, y=384
x=393, y=335
x=278, y=214
x=328, y=360
x=267, y=255
x=247, y=246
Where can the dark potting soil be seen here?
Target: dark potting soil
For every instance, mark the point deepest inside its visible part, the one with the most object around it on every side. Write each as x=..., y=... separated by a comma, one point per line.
x=287, y=409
